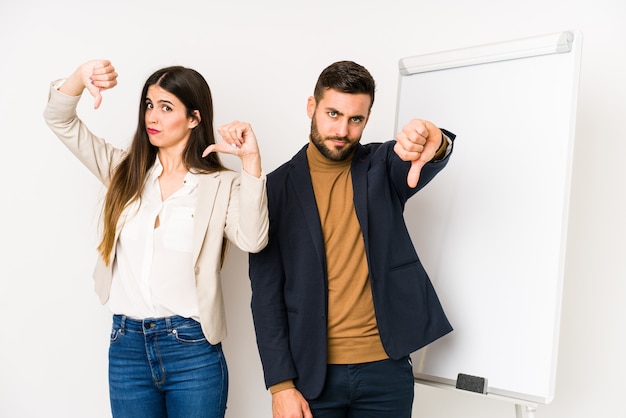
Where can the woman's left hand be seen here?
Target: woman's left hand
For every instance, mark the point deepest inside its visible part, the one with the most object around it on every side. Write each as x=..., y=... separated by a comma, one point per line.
x=239, y=139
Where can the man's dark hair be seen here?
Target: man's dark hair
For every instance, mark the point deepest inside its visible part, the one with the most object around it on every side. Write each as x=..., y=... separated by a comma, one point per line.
x=346, y=77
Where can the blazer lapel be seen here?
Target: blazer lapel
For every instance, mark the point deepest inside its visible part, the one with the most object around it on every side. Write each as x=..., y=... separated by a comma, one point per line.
x=300, y=179
x=207, y=193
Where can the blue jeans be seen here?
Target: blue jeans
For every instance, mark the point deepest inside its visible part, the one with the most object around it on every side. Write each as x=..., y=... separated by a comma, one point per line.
x=380, y=389
x=165, y=368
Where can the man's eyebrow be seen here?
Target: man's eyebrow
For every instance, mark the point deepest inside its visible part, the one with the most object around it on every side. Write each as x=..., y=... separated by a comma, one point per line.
x=332, y=109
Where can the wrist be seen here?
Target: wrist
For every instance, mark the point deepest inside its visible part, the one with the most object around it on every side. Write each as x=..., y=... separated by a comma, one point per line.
x=72, y=86
x=441, y=151
x=251, y=164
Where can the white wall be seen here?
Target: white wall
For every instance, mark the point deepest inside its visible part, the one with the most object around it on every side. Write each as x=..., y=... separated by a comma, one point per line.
x=261, y=60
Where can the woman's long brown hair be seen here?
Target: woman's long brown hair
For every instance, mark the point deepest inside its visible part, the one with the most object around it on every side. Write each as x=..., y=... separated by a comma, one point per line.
x=129, y=176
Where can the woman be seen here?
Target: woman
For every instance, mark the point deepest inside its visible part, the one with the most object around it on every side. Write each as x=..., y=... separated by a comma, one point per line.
x=169, y=208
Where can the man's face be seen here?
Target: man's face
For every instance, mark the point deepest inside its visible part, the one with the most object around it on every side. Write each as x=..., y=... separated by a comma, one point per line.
x=337, y=122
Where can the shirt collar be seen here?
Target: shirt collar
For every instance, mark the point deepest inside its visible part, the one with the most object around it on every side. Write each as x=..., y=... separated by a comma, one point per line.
x=191, y=179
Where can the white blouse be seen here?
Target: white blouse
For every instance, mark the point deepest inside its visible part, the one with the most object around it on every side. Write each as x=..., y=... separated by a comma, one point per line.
x=153, y=269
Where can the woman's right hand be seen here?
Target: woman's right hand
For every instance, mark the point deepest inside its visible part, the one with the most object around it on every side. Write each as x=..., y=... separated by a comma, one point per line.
x=95, y=76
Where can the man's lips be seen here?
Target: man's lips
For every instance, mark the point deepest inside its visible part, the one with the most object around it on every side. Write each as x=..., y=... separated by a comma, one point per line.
x=338, y=142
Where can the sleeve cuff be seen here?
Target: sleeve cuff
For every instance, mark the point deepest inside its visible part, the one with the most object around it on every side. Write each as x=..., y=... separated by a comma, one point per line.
x=58, y=83
x=287, y=384
x=447, y=151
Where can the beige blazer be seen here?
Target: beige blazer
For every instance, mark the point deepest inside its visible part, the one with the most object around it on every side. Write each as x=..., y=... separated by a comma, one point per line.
x=231, y=206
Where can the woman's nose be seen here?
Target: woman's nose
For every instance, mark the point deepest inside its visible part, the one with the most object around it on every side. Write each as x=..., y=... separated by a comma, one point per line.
x=150, y=116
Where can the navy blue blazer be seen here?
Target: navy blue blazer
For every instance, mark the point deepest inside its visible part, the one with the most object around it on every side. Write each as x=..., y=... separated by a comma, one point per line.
x=288, y=277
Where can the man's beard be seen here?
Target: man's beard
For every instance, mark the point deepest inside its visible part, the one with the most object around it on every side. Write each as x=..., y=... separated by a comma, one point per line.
x=332, y=154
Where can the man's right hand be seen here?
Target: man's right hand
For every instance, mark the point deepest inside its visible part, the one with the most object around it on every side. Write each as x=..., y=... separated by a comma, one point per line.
x=290, y=403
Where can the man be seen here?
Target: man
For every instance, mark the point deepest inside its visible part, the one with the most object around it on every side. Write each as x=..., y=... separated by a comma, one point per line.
x=339, y=296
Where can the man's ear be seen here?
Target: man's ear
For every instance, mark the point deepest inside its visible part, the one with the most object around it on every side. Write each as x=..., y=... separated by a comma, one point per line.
x=310, y=106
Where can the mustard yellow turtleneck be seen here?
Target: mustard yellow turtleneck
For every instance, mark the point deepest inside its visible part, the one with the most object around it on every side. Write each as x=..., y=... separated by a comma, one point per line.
x=352, y=330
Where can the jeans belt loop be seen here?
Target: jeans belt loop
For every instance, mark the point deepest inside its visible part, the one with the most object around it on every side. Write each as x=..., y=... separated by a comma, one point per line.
x=123, y=324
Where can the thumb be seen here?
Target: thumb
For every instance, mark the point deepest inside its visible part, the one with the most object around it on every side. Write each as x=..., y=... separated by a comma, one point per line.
x=208, y=150
x=97, y=99
x=414, y=173
x=95, y=92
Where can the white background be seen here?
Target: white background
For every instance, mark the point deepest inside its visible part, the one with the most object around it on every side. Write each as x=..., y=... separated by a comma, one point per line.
x=261, y=60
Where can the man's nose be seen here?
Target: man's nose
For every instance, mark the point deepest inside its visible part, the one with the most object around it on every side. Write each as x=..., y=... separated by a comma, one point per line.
x=341, y=128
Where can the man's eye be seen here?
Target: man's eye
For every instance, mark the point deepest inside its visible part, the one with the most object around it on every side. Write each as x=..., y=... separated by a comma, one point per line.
x=357, y=120
x=332, y=114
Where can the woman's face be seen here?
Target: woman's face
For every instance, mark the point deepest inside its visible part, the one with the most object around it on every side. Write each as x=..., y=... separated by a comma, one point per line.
x=167, y=123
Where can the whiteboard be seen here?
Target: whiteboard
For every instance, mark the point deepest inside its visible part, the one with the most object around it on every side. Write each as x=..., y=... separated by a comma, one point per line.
x=491, y=227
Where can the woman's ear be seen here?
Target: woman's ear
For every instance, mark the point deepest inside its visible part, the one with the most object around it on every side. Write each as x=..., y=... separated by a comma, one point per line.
x=195, y=119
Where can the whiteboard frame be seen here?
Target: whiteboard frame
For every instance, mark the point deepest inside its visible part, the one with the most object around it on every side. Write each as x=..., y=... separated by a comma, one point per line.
x=554, y=43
